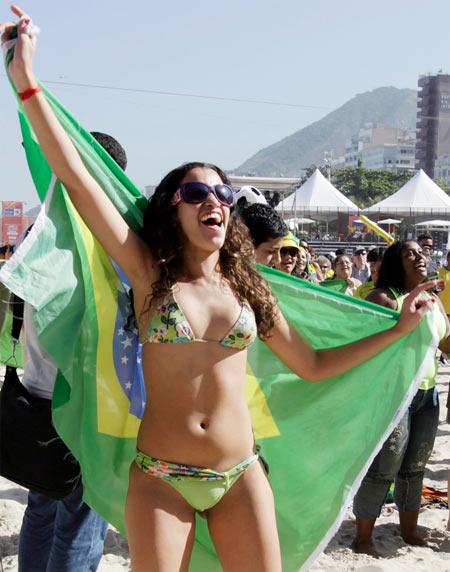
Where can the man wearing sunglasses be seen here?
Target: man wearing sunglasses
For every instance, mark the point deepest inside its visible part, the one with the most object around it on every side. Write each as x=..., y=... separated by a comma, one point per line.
x=289, y=253
x=266, y=230
x=425, y=241
x=361, y=270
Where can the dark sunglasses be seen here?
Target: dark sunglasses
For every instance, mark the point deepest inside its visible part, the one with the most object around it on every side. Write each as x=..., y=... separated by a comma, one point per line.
x=288, y=250
x=195, y=193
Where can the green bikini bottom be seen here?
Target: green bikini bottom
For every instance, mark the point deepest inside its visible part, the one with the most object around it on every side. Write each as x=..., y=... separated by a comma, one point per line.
x=201, y=488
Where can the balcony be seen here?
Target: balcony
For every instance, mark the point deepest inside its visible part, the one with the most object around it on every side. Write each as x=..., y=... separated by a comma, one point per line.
x=424, y=84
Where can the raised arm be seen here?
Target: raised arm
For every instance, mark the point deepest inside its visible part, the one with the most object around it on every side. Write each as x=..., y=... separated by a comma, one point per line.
x=317, y=365
x=98, y=212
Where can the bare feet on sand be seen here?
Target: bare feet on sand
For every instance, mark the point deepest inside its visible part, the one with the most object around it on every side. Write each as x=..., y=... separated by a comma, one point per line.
x=415, y=540
x=364, y=547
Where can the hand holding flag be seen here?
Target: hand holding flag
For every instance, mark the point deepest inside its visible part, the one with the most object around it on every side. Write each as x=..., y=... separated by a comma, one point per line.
x=415, y=306
x=24, y=35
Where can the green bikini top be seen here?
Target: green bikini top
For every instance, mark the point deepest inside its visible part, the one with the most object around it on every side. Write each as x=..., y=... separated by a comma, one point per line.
x=169, y=325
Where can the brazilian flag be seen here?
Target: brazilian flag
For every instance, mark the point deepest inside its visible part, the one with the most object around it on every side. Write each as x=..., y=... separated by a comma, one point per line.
x=318, y=438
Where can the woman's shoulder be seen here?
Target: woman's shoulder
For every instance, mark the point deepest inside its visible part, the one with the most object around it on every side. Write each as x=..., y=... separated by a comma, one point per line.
x=383, y=297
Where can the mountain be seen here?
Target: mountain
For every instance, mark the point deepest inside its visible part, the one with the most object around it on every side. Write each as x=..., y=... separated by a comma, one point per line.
x=34, y=211
x=389, y=105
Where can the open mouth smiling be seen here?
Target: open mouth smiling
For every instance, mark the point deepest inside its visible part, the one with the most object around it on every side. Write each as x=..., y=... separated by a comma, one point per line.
x=212, y=219
x=420, y=265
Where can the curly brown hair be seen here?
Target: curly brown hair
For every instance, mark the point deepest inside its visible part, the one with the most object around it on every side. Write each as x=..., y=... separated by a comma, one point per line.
x=162, y=232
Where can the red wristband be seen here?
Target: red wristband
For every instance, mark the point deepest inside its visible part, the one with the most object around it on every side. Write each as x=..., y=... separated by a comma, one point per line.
x=24, y=95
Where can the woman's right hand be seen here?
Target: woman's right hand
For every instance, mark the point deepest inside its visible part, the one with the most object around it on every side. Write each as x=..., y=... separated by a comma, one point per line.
x=90, y=200
x=415, y=306
x=21, y=66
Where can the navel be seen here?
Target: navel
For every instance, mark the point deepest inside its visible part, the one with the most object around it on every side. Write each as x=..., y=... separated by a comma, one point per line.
x=204, y=424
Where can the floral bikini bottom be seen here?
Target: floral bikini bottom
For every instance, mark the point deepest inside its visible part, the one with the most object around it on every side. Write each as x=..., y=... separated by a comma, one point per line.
x=201, y=488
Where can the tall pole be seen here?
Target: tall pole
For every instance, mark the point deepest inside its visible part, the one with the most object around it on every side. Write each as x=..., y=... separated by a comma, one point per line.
x=328, y=157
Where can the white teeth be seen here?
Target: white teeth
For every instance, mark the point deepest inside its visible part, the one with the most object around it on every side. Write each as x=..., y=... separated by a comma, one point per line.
x=212, y=216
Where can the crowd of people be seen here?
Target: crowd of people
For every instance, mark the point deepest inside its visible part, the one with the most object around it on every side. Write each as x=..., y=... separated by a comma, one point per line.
x=200, y=302
x=384, y=276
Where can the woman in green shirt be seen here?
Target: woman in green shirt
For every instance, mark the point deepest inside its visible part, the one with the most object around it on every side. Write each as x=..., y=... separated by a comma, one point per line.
x=405, y=453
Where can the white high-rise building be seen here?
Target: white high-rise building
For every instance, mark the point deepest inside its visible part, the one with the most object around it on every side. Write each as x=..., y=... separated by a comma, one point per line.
x=380, y=146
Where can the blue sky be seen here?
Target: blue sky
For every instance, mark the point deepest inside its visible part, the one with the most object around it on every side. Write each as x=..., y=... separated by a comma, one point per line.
x=318, y=53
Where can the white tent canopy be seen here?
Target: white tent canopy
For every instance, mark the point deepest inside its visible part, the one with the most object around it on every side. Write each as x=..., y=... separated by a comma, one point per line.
x=419, y=195
x=317, y=194
x=440, y=224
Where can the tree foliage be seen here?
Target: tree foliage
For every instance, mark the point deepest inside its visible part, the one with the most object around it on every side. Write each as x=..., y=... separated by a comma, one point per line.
x=444, y=186
x=366, y=187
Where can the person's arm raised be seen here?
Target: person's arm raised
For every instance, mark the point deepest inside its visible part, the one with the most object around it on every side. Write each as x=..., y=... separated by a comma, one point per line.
x=98, y=212
x=317, y=365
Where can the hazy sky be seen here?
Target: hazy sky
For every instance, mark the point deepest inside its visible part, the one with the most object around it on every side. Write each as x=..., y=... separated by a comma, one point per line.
x=316, y=54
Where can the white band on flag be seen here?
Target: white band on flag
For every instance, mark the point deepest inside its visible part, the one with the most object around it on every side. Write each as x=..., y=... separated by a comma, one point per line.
x=30, y=30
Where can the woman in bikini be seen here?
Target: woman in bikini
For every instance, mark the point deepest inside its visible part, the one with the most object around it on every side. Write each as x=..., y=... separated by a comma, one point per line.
x=199, y=303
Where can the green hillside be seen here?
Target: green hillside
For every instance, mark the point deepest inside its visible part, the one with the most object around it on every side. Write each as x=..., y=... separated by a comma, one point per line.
x=390, y=105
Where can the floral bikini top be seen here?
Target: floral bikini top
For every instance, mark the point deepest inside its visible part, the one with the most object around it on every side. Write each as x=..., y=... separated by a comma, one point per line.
x=169, y=325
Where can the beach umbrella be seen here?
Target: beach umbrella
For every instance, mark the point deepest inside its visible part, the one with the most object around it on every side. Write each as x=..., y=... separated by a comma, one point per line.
x=436, y=224
x=389, y=221
x=293, y=222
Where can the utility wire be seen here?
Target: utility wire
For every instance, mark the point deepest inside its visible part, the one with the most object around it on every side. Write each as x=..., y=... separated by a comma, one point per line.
x=146, y=104
x=182, y=94
x=203, y=96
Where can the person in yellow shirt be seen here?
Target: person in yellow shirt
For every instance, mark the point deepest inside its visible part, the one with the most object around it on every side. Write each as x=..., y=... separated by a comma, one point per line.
x=326, y=267
x=374, y=258
x=444, y=295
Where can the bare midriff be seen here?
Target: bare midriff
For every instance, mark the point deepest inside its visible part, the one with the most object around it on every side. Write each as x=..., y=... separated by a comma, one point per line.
x=196, y=407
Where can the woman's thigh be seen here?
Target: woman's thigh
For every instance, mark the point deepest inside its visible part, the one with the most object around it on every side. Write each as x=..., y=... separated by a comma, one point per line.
x=243, y=526
x=422, y=432
x=389, y=459
x=160, y=525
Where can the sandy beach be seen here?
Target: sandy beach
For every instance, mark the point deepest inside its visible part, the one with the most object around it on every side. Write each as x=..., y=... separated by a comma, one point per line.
x=338, y=557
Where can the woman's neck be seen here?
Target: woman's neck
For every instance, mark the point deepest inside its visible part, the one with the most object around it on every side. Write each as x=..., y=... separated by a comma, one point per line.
x=201, y=266
x=410, y=284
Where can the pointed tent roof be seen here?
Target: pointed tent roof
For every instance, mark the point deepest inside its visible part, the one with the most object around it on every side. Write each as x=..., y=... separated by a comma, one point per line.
x=419, y=194
x=317, y=194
